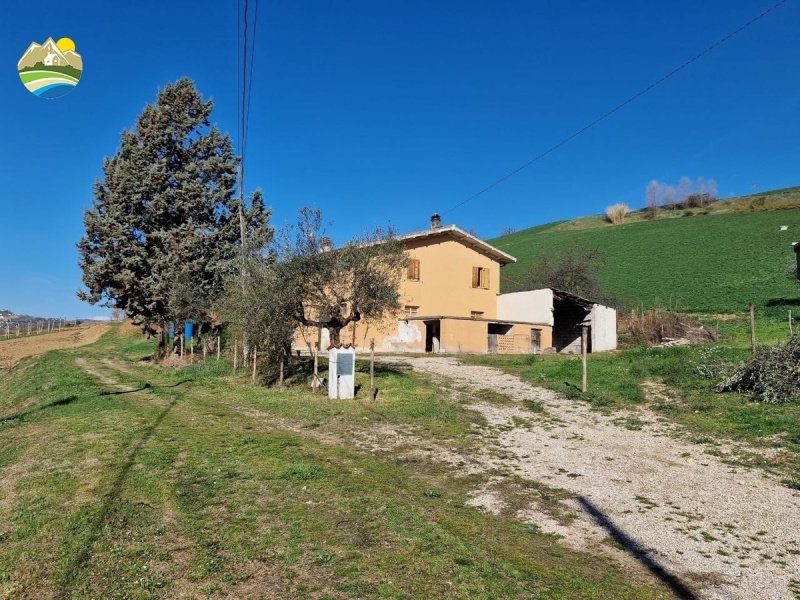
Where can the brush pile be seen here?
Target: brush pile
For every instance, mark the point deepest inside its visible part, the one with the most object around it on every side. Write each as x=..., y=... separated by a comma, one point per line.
x=664, y=328
x=771, y=376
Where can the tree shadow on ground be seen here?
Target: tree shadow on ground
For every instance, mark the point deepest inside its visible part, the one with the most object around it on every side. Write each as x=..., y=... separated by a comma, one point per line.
x=788, y=302
x=83, y=554
x=637, y=551
x=299, y=370
x=146, y=386
x=23, y=414
x=383, y=368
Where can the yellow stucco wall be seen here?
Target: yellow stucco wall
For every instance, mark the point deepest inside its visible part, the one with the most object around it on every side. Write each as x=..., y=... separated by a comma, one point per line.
x=456, y=335
x=445, y=279
x=445, y=290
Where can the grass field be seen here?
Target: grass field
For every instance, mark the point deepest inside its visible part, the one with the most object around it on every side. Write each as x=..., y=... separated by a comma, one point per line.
x=716, y=262
x=126, y=481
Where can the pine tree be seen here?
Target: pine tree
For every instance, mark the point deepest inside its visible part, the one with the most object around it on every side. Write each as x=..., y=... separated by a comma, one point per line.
x=165, y=214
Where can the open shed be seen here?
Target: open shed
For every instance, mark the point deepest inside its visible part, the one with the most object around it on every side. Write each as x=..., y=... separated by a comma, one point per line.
x=565, y=313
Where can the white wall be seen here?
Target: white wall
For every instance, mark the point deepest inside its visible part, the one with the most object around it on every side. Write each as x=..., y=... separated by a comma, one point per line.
x=533, y=306
x=604, y=328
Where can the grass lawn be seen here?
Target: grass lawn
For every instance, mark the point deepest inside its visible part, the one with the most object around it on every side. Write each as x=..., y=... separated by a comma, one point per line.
x=703, y=263
x=201, y=485
x=616, y=378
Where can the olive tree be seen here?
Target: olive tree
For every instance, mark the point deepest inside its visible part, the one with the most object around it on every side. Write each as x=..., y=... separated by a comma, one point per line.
x=334, y=287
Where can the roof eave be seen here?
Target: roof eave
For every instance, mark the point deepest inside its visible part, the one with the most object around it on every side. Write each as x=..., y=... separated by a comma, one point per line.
x=466, y=238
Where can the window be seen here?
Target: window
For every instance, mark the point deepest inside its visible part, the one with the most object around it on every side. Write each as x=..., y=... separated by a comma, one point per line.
x=412, y=311
x=413, y=270
x=480, y=277
x=476, y=314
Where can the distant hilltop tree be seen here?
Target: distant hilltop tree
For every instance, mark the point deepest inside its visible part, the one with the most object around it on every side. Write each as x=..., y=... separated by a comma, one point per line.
x=164, y=216
x=687, y=194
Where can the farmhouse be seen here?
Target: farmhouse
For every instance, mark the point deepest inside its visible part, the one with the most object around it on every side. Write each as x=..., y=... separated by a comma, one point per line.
x=51, y=59
x=451, y=302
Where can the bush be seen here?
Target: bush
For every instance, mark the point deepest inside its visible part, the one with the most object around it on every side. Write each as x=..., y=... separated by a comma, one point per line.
x=616, y=213
x=772, y=375
x=698, y=200
x=576, y=270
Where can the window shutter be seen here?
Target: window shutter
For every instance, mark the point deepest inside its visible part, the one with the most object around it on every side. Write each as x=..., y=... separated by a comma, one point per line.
x=476, y=277
x=485, y=278
x=413, y=269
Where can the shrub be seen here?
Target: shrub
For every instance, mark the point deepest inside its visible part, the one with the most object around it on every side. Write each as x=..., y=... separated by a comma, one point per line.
x=698, y=200
x=577, y=270
x=616, y=213
x=772, y=375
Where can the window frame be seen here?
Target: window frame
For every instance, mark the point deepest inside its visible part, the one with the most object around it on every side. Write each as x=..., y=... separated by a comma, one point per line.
x=480, y=278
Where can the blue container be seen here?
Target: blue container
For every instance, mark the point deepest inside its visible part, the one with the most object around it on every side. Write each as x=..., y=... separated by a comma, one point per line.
x=171, y=333
x=188, y=330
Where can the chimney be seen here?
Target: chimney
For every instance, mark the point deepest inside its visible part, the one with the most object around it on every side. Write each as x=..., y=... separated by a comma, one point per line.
x=326, y=244
x=436, y=221
x=797, y=255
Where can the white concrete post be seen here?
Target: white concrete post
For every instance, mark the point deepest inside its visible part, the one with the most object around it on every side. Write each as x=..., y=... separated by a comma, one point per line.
x=341, y=373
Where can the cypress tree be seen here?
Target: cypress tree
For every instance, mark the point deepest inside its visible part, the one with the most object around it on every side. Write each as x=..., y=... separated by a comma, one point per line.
x=165, y=214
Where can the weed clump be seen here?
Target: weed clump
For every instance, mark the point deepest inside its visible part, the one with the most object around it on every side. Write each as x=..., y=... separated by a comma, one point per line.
x=771, y=376
x=616, y=213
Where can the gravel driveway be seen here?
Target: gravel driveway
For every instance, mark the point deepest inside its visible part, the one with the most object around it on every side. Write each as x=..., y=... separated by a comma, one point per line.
x=709, y=529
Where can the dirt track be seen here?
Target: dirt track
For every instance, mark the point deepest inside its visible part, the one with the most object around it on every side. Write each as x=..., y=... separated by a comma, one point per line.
x=15, y=349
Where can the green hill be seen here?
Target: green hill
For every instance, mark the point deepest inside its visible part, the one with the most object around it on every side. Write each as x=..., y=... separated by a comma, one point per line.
x=716, y=259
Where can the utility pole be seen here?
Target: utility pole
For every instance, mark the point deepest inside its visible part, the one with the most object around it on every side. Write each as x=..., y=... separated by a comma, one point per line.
x=242, y=228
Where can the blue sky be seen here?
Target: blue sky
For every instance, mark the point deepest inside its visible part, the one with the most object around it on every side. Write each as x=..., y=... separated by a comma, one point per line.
x=383, y=112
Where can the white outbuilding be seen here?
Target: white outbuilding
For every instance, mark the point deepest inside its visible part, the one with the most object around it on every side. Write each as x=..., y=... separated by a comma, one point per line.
x=566, y=313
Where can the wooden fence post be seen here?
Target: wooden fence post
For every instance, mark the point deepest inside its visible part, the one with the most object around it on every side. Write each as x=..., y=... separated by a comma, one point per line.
x=255, y=360
x=235, y=354
x=753, y=327
x=372, y=370
x=584, y=350
x=791, y=332
x=218, y=346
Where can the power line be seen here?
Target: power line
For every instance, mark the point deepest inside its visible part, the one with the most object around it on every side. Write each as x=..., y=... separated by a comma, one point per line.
x=250, y=82
x=238, y=71
x=244, y=86
x=245, y=51
x=622, y=105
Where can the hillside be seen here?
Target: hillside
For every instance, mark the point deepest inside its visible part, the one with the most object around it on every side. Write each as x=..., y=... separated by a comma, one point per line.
x=716, y=259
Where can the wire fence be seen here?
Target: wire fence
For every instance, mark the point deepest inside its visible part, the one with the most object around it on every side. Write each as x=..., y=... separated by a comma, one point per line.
x=22, y=328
